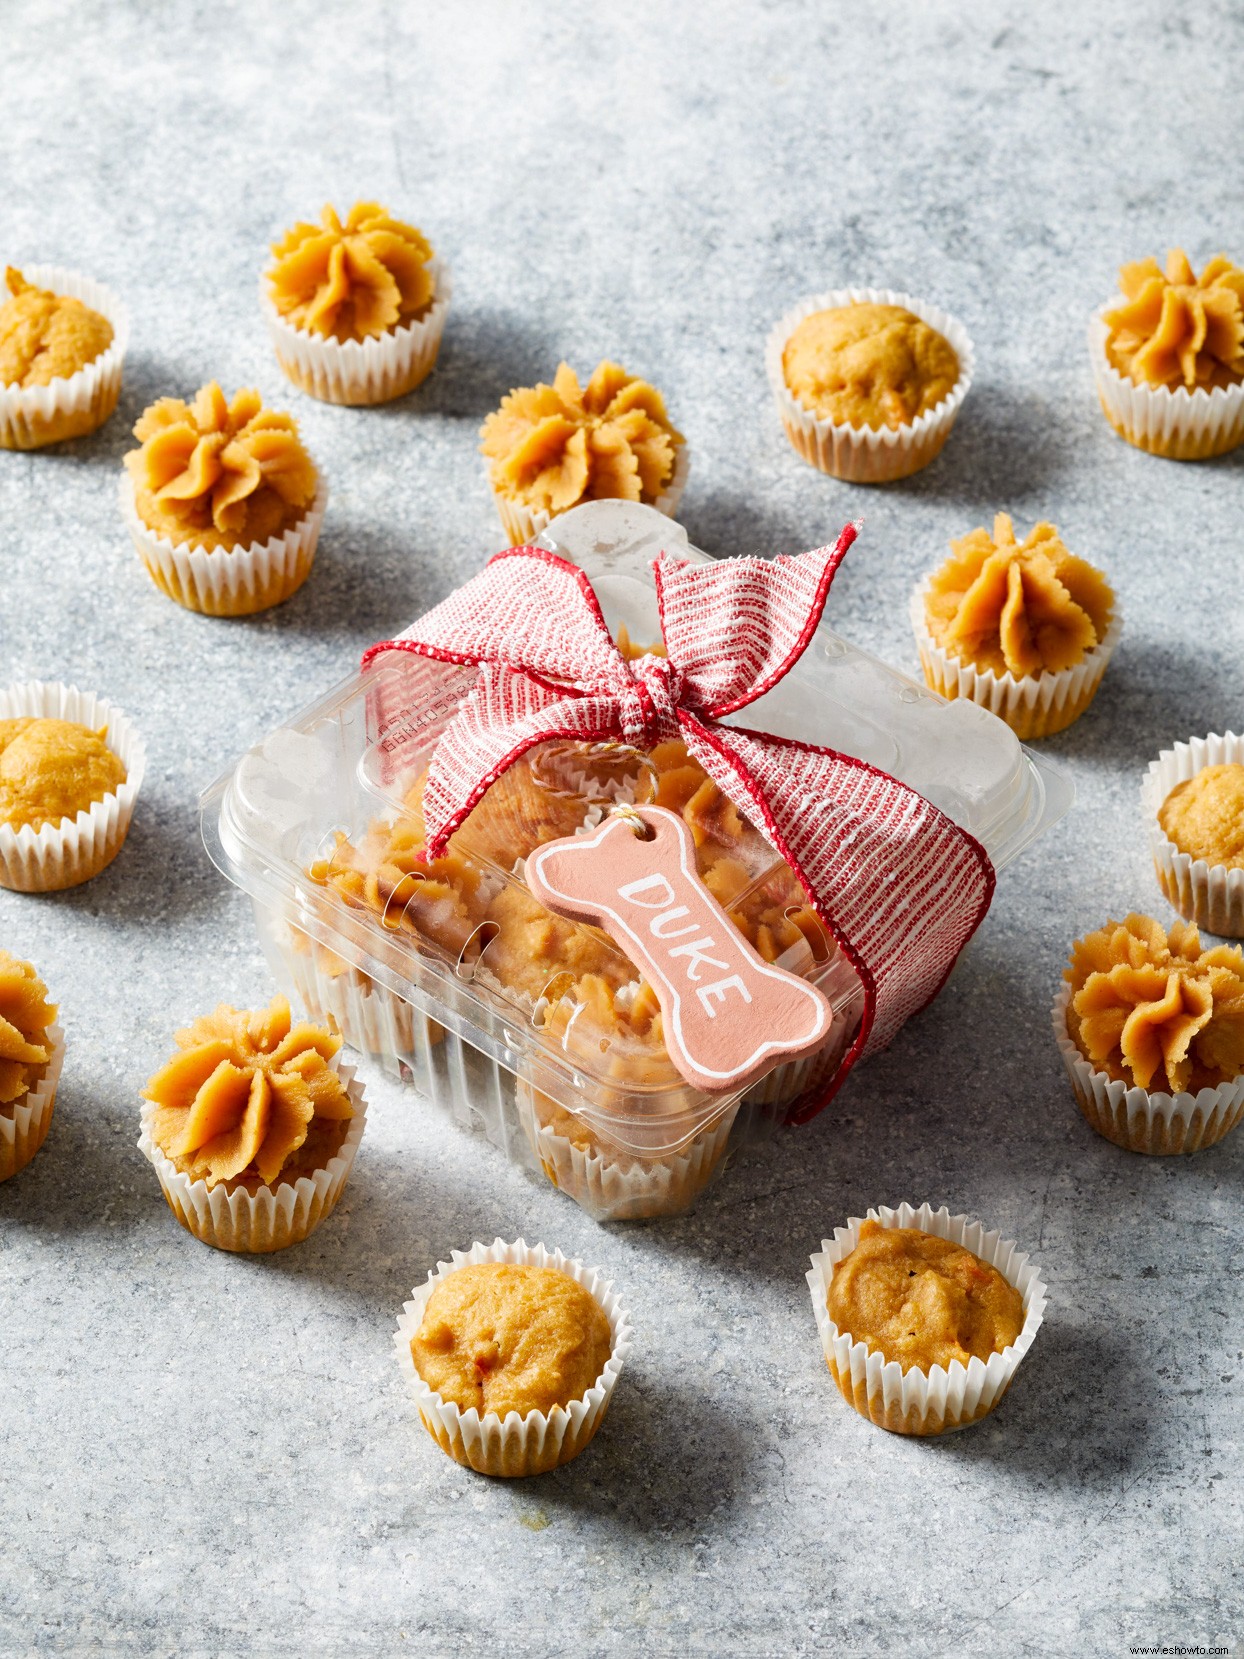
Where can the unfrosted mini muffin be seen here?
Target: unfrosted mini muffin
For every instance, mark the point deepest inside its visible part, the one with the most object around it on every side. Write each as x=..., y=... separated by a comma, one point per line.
x=356, y=307
x=62, y=341
x=223, y=501
x=1168, y=354
x=1023, y=628
x=31, y=1049
x=1194, y=806
x=1151, y=1028
x=252, y=1127
x=549, y=448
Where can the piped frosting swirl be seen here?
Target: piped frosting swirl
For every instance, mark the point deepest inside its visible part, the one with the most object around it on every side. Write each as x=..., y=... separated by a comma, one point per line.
x=25, y=1016
x=352, y=281
x=1176, y=329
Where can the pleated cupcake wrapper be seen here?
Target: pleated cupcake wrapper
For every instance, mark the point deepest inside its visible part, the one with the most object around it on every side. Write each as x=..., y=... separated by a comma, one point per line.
x=369, y=1016
x=31, y=416
x=861, y=454
x=612, y=1185
x=522, y=525
x=1033, y=706
x=1210, y=895
x=73, y=850
x=514, y=1445
x=1132, y=1117
x=234, y=581
x=254, y=1223
x=361, y=371
x=24, y=1127
x=940, y=1399
x=1177, y=423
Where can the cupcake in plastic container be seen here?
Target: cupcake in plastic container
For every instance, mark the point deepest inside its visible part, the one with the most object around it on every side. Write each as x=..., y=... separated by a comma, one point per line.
x=222, y=501
x=936, y=1355
x=356, y=309
x=32, y=1049
x=1168, y=357
x=868, y=383
x=71, y=766
x=512, y=1353
x=62, y=347
x=550, y=448
x=1025, y=629
x=252, y=1128
x=1193, y=801
x=1151, y=1031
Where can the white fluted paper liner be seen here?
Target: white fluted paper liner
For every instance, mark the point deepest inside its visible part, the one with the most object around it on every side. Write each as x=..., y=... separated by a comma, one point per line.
x=228, y=581
x=514, y=1445
x=612, y=1185
x=370, y=1017
x=1156, y=1123
x=522, y=525
x=24, y=1127
x=862, y=454
x=940, y=1399
x=361, y=371
x=1177, y=423
x=72, y=851
x=1035, y=705
x=68, y=407
x=271, y=1218
x=1210, y=895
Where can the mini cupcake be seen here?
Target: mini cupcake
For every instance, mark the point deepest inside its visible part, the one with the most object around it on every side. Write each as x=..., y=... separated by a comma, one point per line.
x=1193, y=797
x=550, y=448
x=511, y=1353
x=32, y=1047
x=1151, y=1031
x=932, y=1355
x=868, y=383
x=62, y=345
x=356, y=310
x=1168, y=355
x=252, y=1128
x=1025, y=629
x=223, y=502
x=70, y=770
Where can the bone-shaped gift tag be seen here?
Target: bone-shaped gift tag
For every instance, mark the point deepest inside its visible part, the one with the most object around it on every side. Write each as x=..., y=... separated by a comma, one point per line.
x=728, y=1015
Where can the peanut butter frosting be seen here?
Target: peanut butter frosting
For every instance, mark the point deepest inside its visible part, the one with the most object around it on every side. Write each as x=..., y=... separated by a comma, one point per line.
x=551, y=447
x=1176, y=329
x=1022, y=608
x=353, y=281
x=250, y=1098
x=46, y=336
x=921, y=1300
x=53, y=769
x=1204, y=816
x=499, y=1337
x=25, y=1018
x=1153, y=1009
x=220, y=474
x=869, y=365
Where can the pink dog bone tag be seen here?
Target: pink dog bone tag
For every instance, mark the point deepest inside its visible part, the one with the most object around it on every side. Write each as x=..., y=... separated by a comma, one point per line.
x=728, y=1015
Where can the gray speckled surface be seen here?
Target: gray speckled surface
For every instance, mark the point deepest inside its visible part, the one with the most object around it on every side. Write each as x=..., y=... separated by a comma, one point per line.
x=205, y=1455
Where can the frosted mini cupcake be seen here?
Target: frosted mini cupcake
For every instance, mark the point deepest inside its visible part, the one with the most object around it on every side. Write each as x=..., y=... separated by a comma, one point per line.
x=62, y=345
x=1193, y=798
x=32, y=1047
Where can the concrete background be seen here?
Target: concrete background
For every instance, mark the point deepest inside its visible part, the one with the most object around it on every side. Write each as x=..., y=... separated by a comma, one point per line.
x=205, y=1455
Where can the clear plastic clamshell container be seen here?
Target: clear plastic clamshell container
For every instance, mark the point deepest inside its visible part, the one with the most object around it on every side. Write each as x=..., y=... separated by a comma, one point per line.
x=535, y=1029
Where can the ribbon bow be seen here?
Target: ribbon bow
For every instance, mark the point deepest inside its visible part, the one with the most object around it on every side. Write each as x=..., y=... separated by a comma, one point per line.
x=899, y=886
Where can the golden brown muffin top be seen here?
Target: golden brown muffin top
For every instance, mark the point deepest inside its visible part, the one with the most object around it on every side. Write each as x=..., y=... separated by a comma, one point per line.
x=869, y=365
x=219, y=474
x=1022, y=608
x=922, y=1300
x=353, y=281
x=551, y=447
x=250, y=1097
x=1204, y=816
x=1177, y=329
x=46, y=336
x=25, y=1016
x=505, y=1338
x=1150, y=1007
x=53, y=769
